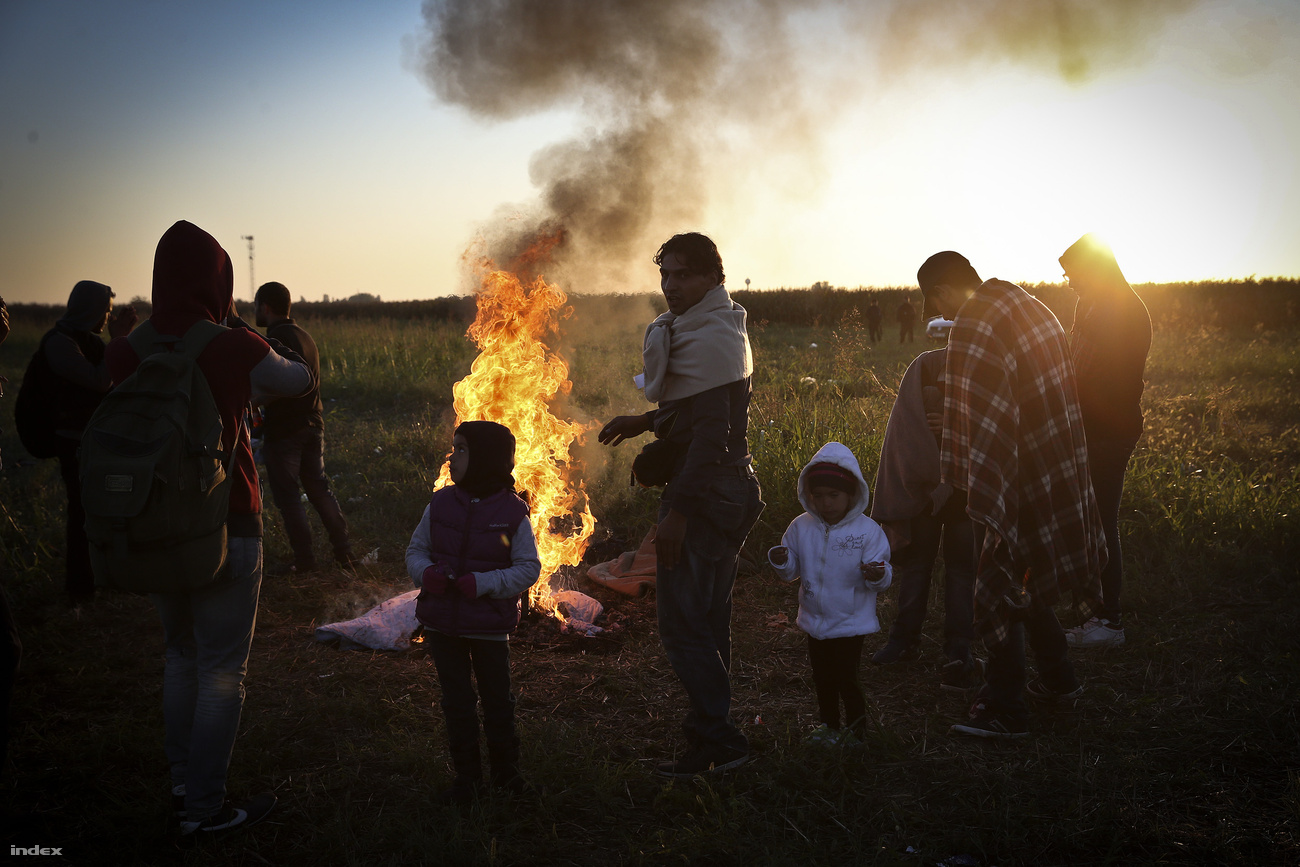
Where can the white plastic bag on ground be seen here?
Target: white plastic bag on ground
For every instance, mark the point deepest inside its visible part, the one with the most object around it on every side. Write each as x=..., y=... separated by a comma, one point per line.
x=580, y=611
x=387, y=626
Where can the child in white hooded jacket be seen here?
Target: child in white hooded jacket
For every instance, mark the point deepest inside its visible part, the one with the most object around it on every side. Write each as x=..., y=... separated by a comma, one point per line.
x=842, y=557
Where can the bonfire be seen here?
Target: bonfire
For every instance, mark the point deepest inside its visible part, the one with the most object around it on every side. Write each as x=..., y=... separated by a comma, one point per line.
x=514, y=381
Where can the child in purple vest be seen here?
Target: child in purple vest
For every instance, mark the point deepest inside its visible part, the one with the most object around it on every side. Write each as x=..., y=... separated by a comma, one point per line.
x=474, y=556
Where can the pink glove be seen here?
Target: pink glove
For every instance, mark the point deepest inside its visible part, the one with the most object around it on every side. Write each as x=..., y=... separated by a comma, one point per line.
x=467, y=586
x=436, y=580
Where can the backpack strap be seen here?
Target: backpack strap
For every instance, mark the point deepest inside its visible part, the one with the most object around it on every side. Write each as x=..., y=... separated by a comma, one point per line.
x=146, y=340
x=201, y=333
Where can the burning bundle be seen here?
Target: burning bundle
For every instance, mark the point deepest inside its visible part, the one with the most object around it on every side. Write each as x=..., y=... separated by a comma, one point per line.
x=514, y=381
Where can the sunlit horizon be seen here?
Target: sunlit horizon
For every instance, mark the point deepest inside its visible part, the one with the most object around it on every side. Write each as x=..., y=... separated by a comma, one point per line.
x=316, y=135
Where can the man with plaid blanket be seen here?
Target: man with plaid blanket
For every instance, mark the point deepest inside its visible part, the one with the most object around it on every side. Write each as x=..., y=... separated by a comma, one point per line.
x=1013, y=440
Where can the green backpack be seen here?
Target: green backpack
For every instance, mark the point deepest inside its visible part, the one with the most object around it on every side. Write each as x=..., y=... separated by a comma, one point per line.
x=154, y=480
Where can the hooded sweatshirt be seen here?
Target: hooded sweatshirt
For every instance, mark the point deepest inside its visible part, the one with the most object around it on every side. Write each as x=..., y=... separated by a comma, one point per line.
x=1109, y=343
x=193, y=280
x=74, y=354
x=834, y=600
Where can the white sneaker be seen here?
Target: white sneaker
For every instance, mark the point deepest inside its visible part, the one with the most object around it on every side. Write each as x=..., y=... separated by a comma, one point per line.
x=1095, y=633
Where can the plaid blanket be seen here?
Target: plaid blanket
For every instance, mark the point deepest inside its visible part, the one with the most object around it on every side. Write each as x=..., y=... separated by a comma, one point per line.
x=1013, y=439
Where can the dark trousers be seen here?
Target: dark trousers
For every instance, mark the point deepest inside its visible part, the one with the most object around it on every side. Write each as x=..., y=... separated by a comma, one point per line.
x=79, y=580
x=693, y=604
x=874, y=331
x=905, y=332
x=913, y=565
x=1006, y=673
x=1107, y=463
x=460, y=662
x=835, y=663
x=300, y=459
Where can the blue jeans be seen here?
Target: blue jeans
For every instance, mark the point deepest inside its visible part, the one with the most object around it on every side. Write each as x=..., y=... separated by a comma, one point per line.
x=913, y=565
x=694, y=607
x=300, y=458
x=1107, y=462
x=208, y=633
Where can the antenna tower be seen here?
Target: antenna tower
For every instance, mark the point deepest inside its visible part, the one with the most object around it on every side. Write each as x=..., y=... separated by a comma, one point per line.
x=252, y=284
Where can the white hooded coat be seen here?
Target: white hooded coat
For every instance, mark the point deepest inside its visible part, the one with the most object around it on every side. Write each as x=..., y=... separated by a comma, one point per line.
x=834, y=599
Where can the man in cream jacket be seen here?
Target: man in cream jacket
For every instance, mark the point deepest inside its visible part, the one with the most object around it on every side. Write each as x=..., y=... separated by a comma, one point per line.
x=698, y=370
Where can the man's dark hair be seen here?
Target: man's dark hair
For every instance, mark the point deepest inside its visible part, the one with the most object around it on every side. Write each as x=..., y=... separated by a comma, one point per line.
x=697, y=252
x=275, y=296
x=946, y=267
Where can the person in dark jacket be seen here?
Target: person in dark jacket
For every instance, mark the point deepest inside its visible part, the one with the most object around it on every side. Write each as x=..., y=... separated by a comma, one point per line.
x=294, y=444
x=875, y=321
x=906, y=321
x=208, y=632
x=699, y=370
x=1109, y=345
x=474, y=556
x=75, y=379
x=921, y=514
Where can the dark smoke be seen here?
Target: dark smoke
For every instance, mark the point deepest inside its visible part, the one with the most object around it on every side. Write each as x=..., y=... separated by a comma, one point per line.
x=689, y=97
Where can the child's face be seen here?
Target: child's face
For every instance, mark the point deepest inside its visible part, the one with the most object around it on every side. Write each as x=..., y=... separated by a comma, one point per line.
x=459, y=458
x=830, y=504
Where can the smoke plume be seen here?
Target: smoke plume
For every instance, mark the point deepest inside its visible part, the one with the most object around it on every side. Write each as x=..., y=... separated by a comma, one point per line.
x=687, y=98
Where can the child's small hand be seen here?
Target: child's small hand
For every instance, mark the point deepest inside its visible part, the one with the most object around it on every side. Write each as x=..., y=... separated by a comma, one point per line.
x=467, y=586
x=779, y=555
x=437, y=579
x=873, y=571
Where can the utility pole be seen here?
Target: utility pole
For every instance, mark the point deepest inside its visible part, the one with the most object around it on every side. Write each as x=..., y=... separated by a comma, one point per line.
x=252, y=284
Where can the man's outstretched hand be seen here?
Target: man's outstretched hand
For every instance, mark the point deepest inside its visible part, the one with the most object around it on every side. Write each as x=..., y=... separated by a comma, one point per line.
x=623, y=427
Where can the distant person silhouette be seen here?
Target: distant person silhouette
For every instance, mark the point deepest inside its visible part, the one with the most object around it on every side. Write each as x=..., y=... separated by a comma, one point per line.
x=293, y=429
x=875, y=321
x=906, y=321
x=1109, y=343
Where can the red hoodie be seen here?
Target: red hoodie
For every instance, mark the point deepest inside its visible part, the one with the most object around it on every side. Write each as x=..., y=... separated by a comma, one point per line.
x=192, y=280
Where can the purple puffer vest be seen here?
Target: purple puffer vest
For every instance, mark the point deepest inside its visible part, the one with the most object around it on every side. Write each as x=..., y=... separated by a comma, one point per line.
x=471, y=535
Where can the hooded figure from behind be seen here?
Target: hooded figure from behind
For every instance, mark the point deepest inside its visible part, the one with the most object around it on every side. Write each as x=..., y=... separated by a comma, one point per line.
x=1109, y=344
x=65, y=381
x=208, y=631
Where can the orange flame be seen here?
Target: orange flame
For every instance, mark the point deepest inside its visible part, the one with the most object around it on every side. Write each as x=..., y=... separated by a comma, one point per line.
x=512, y=382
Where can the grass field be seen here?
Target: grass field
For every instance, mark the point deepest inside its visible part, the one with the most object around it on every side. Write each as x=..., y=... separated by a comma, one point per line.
x=1183, y=750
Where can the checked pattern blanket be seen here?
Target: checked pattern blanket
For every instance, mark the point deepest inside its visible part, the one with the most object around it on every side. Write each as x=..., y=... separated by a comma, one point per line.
x=1013, y=439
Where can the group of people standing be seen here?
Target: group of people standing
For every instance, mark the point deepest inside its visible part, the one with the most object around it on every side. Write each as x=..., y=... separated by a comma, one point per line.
x=208, y=631
x=1007, y=448
x=905, y=314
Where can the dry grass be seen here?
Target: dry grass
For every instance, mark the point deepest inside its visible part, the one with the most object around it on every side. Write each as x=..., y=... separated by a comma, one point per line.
x=1183, y=750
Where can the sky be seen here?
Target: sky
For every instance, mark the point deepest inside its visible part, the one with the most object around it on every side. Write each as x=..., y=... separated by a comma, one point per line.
x=383, y=147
